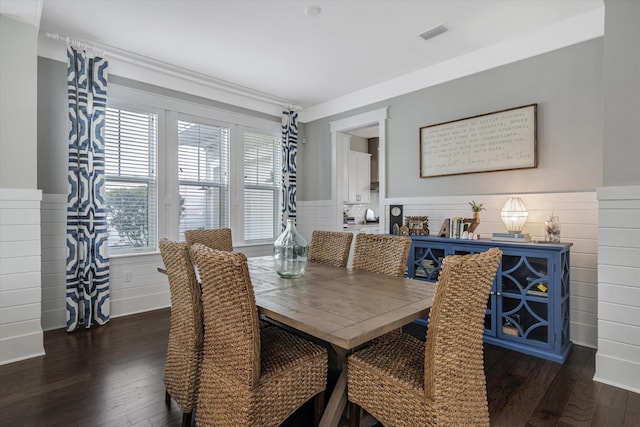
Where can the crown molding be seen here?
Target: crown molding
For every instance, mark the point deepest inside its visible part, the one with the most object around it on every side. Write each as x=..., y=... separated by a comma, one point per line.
x=27, y=11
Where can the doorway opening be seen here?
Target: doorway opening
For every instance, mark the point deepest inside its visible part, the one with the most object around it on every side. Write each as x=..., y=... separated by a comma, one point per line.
x=362, y=126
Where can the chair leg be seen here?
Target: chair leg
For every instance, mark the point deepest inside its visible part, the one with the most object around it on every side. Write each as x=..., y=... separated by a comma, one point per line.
x=354, y=415
x=186, y=419
x=167, y=398
x=318, y=408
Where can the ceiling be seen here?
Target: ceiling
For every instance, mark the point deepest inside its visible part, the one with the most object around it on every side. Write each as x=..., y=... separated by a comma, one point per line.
x=277, y=49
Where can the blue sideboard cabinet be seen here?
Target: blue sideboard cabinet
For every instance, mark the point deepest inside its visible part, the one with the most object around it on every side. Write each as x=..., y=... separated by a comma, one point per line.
x=528, y=306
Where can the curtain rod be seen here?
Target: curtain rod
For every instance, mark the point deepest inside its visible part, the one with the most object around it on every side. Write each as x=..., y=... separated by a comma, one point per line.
x=76, y=43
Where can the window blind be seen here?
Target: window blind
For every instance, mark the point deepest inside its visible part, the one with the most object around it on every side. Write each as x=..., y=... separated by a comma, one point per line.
x=203, y=175
x=131, y=184
x=262, y=160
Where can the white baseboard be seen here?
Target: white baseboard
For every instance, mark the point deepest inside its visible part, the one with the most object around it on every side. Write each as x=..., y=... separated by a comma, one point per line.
x=14, y=349
x=619, y=373
x=56, y=319
x=125, y=307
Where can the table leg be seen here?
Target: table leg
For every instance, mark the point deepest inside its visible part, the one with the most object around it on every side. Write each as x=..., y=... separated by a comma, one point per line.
x=338, y=400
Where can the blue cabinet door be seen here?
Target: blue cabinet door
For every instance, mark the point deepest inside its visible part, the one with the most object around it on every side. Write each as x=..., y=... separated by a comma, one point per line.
x=426, y=261
x=524, y=300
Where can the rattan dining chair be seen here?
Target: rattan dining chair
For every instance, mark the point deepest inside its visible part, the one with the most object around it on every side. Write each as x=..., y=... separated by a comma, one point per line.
x=184, y=350
x=380, y=254
x=330, y=247
x=214, y=238
x=407, y=382
x=250, y=376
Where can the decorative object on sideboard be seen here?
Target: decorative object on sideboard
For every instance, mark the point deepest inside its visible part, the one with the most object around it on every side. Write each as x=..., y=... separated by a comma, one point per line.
x=475, y=208
x=462, y=228
x=395, y=218
x=552, y=229
x=514, y=216
x=511, y=237
x=445, y=229
x=417, y=225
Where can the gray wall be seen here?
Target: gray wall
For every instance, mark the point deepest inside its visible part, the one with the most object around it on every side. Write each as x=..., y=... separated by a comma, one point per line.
x=18, y=96
x=53, y=126
x=621, y=80
x=567, y=86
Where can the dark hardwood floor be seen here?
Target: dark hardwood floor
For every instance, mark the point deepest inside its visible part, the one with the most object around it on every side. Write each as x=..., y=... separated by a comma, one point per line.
x=112, y=376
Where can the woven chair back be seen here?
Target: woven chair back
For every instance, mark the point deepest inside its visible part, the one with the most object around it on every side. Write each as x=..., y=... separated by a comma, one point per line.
x=186, y=306
x=330, y=247
x=454, y=373
x=214, y=238
x=232, y=337
x=381, y=254
x=185, y=343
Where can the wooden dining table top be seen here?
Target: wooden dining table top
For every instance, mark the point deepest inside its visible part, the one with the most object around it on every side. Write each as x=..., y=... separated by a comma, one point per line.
x=342, y=307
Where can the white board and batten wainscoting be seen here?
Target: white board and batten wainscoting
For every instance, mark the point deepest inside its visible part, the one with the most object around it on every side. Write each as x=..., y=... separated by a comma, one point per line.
x=20, y=310
x=618, y=356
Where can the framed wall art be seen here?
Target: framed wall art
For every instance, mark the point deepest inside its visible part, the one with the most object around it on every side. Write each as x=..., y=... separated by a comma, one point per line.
x=497, y=141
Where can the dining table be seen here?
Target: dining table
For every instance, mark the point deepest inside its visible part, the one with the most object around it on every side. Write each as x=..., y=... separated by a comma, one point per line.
x=340, y=307
x=343, y=308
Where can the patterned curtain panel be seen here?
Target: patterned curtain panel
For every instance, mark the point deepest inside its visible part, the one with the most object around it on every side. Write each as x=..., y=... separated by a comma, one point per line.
x=289, y=167
x=87, y=237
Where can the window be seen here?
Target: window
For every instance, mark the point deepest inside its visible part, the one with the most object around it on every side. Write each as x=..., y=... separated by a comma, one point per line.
x=131, y=187
x=262, y=160
x=174, y=166
x=203, y=176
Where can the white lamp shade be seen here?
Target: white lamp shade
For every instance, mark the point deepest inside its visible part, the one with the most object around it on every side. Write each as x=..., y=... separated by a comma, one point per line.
x=514, y=214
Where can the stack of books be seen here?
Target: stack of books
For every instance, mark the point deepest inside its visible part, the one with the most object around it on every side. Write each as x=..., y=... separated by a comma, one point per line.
x=457, y=227
x=510, y=330
x=511, y=237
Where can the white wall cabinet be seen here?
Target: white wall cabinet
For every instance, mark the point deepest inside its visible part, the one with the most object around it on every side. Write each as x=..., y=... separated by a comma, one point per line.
x=359, y=182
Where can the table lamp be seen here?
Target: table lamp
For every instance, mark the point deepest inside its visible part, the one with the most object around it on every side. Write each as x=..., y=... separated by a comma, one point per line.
x=514, y=215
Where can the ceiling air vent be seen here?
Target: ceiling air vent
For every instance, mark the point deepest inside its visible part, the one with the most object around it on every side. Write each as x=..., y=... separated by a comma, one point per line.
x=435, y=31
